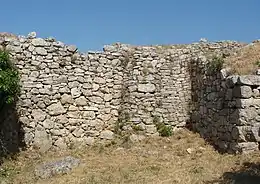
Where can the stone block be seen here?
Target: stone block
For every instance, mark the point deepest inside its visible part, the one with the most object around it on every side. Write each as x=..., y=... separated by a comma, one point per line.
x=242, y=92
x=250, y=80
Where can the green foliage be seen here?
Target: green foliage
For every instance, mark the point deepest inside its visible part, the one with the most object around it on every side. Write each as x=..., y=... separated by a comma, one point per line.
x=215, y=64
x=137, y=128
x=9, y=79
x=7, y=172
x=257, y=63
x=123, y=119
x=164, y=130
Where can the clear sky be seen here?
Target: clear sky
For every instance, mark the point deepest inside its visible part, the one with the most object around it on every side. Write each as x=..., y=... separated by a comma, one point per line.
x=90, y=24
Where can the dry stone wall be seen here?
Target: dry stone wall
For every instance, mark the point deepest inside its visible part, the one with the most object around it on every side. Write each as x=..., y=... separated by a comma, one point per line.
x=71, y=98
x=228, y=113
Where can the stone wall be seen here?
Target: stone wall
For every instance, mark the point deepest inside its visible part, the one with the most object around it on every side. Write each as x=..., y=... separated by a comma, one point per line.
x=70, y=98
x=228, y=113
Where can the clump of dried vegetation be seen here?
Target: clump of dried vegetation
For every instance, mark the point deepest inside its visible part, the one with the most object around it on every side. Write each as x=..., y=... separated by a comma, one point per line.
x=183, y=158
x=245, y=61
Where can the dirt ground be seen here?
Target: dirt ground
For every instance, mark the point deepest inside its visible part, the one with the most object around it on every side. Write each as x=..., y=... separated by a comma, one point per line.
x=184, y=158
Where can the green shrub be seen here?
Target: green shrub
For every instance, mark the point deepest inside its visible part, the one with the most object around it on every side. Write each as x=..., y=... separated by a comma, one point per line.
x=164, y=130
x=257, y=63
x=9, y=79
x=137, y=128
x=216, y=64
x=122, y=121
x=7, y=172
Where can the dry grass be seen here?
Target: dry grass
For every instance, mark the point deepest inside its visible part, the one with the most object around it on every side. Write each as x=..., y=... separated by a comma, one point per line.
x=246, y=60
x=157, y=160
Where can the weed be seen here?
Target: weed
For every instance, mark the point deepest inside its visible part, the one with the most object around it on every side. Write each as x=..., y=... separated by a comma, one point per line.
x=137, y=128
x=7, y=172
x=164, y=130
x=155, y=169
x=38, y=68
x=215, y=64
x=156, y=120
x=196, y=170
x=257, y=63
x=128, y=59
x=123, y=118
x=126, y=143
x=74, y=58
x=118, y=127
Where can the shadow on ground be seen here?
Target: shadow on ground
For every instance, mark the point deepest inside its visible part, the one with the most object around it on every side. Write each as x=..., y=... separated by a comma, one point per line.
x=248, y=174
x=11, y=134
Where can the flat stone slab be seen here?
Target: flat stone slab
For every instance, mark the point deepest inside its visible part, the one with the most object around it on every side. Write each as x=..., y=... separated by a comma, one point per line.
x=250, y=80
x=62, y=166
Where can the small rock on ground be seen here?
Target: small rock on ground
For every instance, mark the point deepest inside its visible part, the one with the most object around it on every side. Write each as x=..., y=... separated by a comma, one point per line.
x=62, y=166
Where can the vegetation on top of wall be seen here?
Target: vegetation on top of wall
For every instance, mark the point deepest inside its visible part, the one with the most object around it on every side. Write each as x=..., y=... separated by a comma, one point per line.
x=9, y=79
x=245, y=61
x=215, y=64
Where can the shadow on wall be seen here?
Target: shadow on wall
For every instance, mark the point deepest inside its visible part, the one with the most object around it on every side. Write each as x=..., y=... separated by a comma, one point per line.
x=248, y=174
x=212, y=113
x=11, y=133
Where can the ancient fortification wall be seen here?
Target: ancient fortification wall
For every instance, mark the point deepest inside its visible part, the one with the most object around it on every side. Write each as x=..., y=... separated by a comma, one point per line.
x=70, y=98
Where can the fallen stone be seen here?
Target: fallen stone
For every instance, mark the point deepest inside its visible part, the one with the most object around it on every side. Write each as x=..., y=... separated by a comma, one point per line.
x=190, y=150
x=62, y=166
x=136, y=138
x=107, y=134
x=89, y=140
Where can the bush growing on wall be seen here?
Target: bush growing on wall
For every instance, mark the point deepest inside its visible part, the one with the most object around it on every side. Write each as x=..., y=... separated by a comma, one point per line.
x=9, y=80
x=216, y=64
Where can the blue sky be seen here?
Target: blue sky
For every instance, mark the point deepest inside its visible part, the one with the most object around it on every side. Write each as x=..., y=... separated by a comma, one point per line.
x=90, y=24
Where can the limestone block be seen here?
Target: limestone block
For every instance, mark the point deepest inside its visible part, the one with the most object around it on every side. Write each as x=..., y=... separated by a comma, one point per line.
x=146, y=88
x=242, y=92
x=56, y=109
x=42, y=140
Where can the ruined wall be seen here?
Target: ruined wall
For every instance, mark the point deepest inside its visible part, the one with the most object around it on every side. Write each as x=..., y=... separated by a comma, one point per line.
x=70, y=98
x=228, y=113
